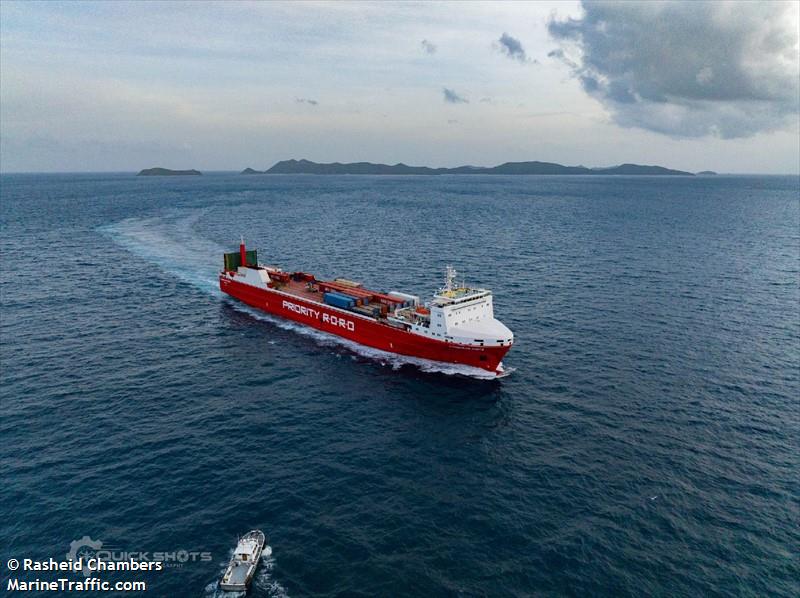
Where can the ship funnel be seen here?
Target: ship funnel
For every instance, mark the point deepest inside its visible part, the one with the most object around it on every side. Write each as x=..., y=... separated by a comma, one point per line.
x=242, y=253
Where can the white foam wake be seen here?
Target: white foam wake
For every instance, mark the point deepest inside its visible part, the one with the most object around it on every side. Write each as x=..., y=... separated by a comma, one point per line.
x=173, y=245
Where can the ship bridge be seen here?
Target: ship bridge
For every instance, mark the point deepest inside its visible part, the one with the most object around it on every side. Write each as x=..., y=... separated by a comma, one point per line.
x=458, y=295
x=465, y=315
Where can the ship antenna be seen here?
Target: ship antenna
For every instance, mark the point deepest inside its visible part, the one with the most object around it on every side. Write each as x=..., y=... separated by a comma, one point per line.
x=449, y=278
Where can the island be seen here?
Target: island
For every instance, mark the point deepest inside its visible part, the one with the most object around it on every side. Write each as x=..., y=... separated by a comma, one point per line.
x=707, y=173
x=168, y=172
x=309, y=167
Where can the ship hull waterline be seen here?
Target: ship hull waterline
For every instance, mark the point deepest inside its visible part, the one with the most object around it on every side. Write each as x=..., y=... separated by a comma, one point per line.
x=363, y=330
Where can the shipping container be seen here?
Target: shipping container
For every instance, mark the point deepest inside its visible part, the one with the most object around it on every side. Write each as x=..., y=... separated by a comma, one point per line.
x=392, y=302
x=280, y=276
x=335, y=287
x=405, y=297
x=338, y=300
x=233, y=260
x=367, y=311
x=348, y=283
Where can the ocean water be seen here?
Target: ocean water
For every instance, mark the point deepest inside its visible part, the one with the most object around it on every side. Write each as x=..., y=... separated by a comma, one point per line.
x=645, y=444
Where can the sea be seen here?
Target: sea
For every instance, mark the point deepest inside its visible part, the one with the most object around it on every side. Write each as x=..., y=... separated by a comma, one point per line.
x=645, y=443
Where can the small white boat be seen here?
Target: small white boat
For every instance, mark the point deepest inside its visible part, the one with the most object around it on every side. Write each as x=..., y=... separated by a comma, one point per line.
x=243, y=564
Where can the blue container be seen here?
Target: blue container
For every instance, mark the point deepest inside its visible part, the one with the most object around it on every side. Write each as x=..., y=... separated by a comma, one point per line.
x=338, y=300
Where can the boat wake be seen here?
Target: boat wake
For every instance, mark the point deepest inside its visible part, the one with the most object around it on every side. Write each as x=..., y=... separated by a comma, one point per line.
x=263, y=580
x=172, y=244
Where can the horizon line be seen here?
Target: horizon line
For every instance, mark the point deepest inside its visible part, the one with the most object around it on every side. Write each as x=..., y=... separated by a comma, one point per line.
x=135, y=172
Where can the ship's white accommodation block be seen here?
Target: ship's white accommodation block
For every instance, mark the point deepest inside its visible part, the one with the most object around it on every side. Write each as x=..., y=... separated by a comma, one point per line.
x=254, y=276
x=468, y=318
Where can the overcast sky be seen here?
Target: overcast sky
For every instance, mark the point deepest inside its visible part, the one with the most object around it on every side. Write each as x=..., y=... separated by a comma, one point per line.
x=114, y=86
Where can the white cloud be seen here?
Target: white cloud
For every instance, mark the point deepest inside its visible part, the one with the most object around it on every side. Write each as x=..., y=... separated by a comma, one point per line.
x=688, y=68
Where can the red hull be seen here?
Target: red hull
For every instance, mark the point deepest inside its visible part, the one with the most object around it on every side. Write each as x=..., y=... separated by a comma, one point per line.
x=362, y=330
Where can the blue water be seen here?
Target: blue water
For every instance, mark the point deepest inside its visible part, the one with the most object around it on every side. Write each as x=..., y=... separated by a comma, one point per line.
x=646, y=443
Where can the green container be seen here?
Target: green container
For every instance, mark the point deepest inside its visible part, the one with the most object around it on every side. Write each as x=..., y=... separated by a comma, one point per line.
x=233, y=260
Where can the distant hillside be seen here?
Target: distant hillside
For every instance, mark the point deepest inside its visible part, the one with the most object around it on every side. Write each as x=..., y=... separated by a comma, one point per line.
x=308, y=167
x=251, y=171
x=707, y=172
x=639, y=169
x=167, y=172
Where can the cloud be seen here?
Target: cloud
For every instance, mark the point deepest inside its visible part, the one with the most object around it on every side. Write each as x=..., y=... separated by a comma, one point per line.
x=511, y=47
x=687, y=69
x=428, y=47
x=306, y=101
x=451, y=97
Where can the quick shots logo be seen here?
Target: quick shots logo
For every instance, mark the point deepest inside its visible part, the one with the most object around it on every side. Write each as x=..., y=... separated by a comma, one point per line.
x=90, y=557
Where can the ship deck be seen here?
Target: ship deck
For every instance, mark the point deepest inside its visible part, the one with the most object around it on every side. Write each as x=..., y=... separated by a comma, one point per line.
x=299, y=289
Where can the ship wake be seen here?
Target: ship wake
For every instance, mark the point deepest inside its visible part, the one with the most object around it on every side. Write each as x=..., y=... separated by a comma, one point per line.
x=172, y=243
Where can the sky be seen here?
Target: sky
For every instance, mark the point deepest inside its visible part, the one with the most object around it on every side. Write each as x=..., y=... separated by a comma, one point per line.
x=118, y=86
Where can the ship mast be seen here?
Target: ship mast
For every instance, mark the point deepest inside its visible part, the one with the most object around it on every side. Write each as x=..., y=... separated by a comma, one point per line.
x=449, y=278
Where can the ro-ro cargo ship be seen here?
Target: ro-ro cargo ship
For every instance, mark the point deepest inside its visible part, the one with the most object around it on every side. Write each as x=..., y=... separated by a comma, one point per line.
x=456, y=326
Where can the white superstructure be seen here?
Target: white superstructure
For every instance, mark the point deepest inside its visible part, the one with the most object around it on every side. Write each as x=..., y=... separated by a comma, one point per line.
x=244, y=561
x=459, y=314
